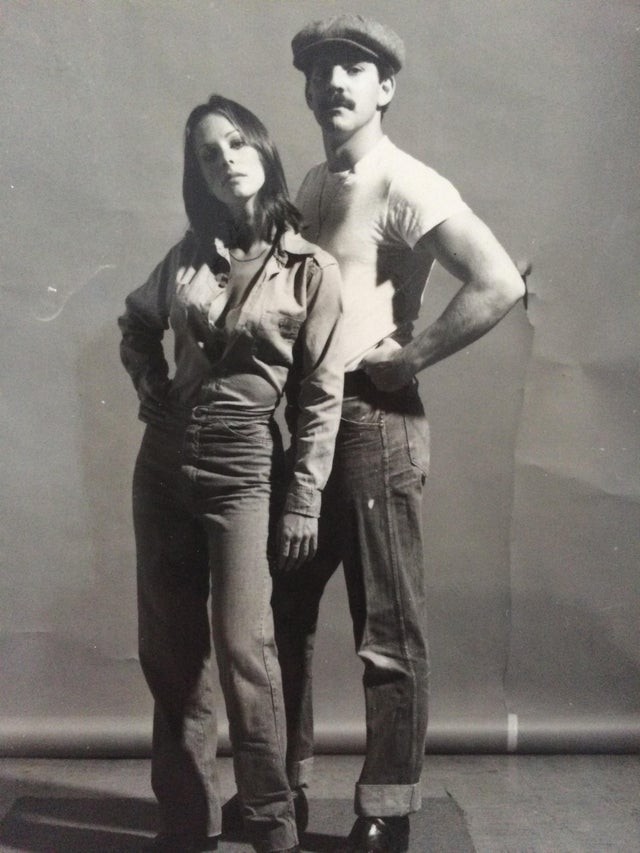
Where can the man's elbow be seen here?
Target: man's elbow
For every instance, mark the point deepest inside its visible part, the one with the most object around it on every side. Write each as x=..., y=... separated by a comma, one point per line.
x=515, y=288
x=508, y=285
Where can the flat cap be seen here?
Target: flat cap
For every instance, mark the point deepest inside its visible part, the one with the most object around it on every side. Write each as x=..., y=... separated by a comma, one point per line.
x=376, y=39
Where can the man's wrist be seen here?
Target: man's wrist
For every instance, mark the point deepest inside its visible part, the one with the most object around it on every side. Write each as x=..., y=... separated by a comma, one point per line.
x=409, y=364
x=303, y=500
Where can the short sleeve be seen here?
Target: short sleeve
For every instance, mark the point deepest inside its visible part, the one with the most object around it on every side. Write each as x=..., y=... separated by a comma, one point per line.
x=420, y=199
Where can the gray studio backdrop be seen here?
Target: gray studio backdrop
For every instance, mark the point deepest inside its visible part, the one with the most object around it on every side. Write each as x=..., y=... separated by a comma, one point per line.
x=532, y=110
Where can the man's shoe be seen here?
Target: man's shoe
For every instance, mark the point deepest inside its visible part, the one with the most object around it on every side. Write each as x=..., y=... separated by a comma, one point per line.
x=233, y=823
x=232, y=816
x=301, y=807
x=378, y=835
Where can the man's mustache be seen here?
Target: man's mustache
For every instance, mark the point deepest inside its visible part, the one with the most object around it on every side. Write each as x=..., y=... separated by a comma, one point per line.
x=337, y=101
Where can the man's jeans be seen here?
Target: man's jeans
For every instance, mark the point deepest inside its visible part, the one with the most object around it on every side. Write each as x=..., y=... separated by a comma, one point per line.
x=202, y=518
x=371, y=521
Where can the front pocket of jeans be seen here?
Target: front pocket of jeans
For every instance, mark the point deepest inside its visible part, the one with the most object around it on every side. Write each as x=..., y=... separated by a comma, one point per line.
x=249, y=431
x=367, y=420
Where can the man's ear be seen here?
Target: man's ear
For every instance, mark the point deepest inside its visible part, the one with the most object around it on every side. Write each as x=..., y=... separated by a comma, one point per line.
x=307, y=92
x=387, y=90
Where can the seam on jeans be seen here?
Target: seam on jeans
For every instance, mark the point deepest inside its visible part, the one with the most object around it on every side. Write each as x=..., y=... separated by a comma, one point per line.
x=412, y=450
x=391, y=533
x=281, y=746
x=409, y=658
x=202, y=752
x=399, y=605
x=274, y=709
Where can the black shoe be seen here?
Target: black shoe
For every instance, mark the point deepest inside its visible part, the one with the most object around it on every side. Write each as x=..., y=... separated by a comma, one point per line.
x=168, y=842
x=378, y=835
x=232, y=816
x=233, y=823
x=301, y=808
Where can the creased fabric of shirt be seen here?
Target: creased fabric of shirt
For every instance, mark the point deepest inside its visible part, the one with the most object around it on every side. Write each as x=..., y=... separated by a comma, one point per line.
x=369, y=218
x=286, y=334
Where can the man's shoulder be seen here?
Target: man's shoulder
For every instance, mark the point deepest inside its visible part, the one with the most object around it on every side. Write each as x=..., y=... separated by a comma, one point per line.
x=314, y=175
x=416, y=193
x=404, y=168
x=295, y=244
x=181, y=253
x=317, y=168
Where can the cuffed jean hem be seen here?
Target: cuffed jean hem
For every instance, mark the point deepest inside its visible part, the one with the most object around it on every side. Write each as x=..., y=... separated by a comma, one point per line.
x=300, y=773
x=282, y=837
x=387, y=800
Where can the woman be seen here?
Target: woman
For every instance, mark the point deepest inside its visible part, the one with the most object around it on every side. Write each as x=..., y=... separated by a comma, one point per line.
x=255, y=312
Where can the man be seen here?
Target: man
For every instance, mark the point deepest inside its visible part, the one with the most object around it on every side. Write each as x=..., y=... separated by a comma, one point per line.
x=386, y=218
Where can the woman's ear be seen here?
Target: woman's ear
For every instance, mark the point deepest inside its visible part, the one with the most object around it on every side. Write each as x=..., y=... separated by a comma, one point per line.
x=307, y=92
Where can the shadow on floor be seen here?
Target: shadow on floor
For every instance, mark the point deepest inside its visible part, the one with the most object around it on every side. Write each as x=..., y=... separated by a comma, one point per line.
x=79, y=825
x=125, y=825
x=439, y=827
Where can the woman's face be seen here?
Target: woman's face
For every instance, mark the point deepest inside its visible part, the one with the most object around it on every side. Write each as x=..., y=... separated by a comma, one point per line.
x=231, y=168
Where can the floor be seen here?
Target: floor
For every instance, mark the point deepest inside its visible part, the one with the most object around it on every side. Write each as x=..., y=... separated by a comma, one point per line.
x=511, y=804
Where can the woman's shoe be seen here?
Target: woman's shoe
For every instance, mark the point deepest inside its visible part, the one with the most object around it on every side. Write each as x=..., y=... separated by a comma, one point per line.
x=169, y=842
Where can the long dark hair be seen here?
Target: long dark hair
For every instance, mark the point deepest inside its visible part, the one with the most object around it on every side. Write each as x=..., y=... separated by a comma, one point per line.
x=207, y=215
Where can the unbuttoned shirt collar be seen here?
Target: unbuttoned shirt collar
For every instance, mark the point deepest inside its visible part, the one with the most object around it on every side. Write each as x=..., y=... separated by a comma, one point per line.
x=288, y=244
x=367, y=161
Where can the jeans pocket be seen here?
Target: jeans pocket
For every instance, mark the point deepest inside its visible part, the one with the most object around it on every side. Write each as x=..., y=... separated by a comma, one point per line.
x=418, y=442
x=360, y=413
x=253, y=432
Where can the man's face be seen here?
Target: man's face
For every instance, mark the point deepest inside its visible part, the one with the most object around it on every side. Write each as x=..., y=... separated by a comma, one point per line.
x=345, y=91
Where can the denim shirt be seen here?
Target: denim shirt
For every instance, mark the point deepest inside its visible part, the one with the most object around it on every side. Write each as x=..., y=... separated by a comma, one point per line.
x=285, y=336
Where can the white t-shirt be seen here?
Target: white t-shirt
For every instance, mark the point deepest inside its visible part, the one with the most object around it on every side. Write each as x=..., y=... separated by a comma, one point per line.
x=370, y=218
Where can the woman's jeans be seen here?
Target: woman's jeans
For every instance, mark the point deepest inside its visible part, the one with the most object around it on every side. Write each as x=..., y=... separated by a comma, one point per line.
x=202, y=506
x=371, y=522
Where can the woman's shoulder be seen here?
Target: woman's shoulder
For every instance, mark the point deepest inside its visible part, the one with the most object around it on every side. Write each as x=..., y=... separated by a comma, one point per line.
x=183, y=250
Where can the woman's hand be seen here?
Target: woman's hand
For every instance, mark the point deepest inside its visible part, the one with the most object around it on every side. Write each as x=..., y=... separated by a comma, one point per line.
x=153, y=400
x=297, y=540
x=153, y=393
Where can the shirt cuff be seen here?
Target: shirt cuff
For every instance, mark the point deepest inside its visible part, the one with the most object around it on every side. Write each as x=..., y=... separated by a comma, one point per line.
x=304, y=500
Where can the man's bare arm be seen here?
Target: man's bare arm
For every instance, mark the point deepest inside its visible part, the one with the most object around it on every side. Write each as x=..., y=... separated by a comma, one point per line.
x=491, y=285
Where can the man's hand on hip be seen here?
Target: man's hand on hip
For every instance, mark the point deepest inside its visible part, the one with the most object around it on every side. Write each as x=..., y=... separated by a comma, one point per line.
x=387, y=367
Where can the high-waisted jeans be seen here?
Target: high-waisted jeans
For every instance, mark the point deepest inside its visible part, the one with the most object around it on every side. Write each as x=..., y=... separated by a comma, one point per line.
x=203, y=499
x=371, y=522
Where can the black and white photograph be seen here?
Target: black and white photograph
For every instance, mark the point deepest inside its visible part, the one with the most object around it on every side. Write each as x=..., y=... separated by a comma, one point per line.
x=320, y=405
